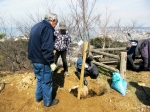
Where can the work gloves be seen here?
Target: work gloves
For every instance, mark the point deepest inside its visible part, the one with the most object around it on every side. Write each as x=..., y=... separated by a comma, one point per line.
x=53, y=67
x=86, y=65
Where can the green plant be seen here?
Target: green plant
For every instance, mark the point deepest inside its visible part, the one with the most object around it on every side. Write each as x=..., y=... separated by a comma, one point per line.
x=104, y=71
x=2, y=35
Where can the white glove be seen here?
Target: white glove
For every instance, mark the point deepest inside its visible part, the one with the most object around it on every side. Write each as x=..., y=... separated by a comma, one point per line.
x=86, y=65
x=53, y=66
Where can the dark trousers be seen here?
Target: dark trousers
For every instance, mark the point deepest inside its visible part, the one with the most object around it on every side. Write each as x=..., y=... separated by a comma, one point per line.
x=93, y=72
x=63, y=57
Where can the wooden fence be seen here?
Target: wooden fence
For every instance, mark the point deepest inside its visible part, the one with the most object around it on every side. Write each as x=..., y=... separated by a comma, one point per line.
x=121, y=58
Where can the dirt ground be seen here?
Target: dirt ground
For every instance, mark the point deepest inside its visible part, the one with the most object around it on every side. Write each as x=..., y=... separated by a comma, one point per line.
x=18, y=95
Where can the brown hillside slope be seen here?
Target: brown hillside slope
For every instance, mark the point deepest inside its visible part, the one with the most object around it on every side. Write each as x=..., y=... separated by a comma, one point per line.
x=18, y=95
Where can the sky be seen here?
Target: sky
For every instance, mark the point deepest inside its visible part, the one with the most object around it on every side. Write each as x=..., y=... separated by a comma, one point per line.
x=126, y=10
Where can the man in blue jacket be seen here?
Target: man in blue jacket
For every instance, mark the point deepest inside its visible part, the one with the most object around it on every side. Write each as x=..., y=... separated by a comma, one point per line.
x=40, y=52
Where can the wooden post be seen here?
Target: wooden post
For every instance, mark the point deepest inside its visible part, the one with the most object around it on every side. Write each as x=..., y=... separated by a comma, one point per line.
x=123, y=62
x=82, y=69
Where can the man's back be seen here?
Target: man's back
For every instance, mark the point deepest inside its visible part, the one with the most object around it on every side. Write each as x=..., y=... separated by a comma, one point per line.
x=41, y=43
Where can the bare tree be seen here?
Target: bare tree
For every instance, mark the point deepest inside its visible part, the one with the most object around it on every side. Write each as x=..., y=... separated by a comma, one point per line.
x=6, y=26
x=13, y=53
x=24, y=25
x=82, y=18
x=116, y=32
x=103, y=25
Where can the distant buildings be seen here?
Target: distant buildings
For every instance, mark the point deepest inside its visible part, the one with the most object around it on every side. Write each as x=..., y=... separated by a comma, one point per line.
x=121, y=34
x=15, y=38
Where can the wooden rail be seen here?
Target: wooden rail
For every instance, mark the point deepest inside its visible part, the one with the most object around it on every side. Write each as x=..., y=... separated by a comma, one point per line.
x=106, y=54
x=121, y=58
x=113, y=49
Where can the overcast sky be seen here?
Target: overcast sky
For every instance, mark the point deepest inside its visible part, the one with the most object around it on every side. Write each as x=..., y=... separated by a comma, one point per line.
x=126, y=10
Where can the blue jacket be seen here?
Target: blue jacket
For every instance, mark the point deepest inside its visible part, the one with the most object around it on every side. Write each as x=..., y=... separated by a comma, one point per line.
x=41, y=43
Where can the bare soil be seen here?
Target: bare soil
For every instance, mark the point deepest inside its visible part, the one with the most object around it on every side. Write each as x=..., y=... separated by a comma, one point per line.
x=18, y=95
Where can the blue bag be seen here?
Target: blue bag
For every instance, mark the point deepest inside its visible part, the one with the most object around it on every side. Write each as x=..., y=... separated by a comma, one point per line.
x=118, y=83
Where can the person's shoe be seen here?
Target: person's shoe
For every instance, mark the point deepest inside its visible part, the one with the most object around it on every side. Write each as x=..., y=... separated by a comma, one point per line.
x=54, y=102
x=77, y=74
x=39, y=100
x=146, y=69
x=85, y=82
x=66, y=74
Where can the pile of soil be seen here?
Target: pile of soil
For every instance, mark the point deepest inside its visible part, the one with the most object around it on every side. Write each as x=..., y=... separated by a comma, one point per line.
x=19, y=93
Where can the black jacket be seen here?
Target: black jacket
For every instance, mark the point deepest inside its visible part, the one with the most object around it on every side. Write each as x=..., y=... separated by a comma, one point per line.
x=41, y=43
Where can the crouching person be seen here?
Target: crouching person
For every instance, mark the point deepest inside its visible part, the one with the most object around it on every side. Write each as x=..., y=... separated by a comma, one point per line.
x=90, y=68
